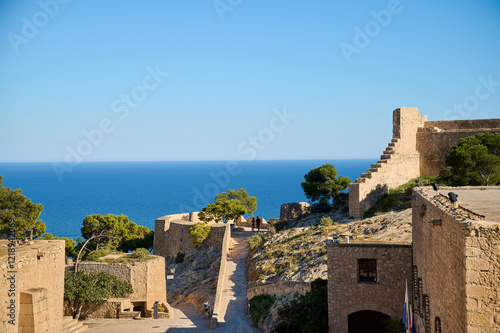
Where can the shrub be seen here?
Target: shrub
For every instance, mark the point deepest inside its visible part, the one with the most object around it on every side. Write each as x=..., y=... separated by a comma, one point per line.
x=140, y=253
x=279, y=225
x=80, y=288
x=255, y=241
x=260, y=306
x=326, y=221
x=199, y=232
x=96, y=254
x=179, y=258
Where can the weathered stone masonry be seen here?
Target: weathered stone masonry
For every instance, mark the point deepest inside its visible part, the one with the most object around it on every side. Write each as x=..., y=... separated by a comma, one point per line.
x=39, y=287
x=418, y=148
x=456, y=256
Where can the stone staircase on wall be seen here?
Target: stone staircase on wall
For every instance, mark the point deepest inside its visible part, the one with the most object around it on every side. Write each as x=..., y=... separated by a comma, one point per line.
x=385, y=158
x=71, y=325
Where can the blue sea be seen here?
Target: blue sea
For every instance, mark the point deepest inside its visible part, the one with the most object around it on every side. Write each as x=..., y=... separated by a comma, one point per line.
x=144, y=191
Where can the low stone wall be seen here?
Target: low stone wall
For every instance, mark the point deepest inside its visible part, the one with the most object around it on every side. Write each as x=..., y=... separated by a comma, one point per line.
x=248, y=223
x=279, y=289
x=104, y=309
x=222, y=273
x=33, y=285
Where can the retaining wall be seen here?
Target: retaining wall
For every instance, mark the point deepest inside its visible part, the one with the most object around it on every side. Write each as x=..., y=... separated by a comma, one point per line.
x=221, y=280
x=279, y=289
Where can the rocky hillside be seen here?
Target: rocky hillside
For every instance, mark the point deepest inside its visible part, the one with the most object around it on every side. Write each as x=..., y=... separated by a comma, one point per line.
x=195, y=279
x=298, y=253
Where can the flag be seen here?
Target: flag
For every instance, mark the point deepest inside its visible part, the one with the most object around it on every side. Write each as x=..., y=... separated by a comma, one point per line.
x=407, y=313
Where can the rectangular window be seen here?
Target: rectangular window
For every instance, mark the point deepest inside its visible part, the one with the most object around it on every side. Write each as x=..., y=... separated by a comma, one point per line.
x=367, y=270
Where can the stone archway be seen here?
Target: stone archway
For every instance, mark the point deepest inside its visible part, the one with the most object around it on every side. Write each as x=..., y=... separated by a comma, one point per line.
x=367, y=321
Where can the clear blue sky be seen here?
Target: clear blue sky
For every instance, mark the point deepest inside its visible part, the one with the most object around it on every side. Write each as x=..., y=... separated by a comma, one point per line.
x=232, y=64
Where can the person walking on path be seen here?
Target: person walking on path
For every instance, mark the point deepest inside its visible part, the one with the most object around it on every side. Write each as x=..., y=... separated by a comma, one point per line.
x=258, y=223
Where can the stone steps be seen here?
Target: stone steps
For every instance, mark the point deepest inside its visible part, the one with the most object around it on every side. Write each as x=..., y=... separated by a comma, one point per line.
x=71, y=325
x=384, y=159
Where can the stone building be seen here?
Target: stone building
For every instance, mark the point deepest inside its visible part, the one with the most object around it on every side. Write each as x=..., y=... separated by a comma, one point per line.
x=146, y=277
x=366, y=285
x=456, y=260
x=418, y=148
x=32, y=286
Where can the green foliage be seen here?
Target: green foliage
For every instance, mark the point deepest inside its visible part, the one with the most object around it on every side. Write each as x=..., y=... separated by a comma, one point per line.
x=400, y=198
x=80, y=287
x=16, y=208
x=199, y=232
x=96, y=254
x=279, y=225
x=70, y=244
x=326, y=221
x=179, y=258
x=141, y=253
x=255, y=241
x=476, y=160
x=394, y=325
x=308, y=313
x=259, y=307
x=118, y=233
x=321, y=183
x=242, y=196
x=228, y=206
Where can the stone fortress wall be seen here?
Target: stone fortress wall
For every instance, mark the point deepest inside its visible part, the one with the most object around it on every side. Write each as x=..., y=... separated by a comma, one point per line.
x=171, y=234
x=39, y=287
x=418, y=148
x=456, y=262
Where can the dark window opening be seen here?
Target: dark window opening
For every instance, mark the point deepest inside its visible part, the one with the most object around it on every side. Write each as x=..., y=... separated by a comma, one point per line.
x=367, y=270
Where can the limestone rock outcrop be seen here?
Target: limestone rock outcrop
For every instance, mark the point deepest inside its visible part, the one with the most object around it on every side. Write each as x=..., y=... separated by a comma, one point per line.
x=293, y=210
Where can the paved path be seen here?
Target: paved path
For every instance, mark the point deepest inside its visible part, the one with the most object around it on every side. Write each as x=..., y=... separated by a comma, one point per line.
x=233, y=311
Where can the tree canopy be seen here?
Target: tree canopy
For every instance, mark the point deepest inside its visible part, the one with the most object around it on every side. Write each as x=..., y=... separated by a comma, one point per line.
x=228, y=206
x=475, y=160
x=242, y=196
x=80, y=288
x=115, y=232
x=16, y=208
x=321, y=183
